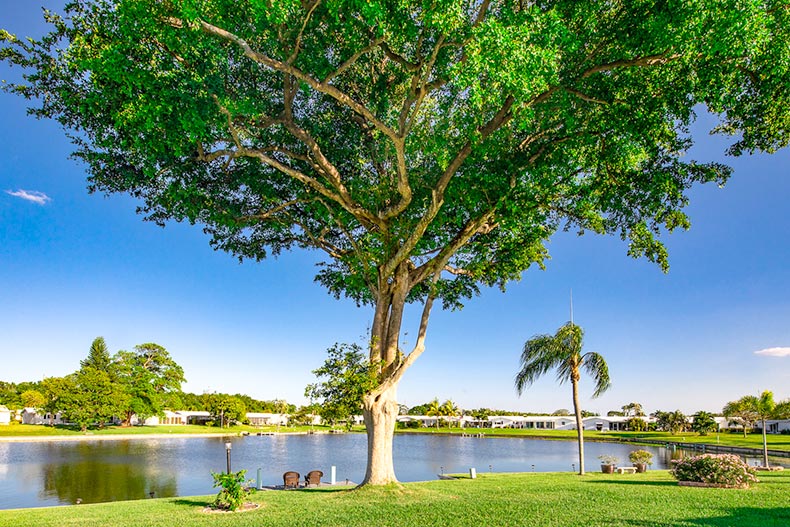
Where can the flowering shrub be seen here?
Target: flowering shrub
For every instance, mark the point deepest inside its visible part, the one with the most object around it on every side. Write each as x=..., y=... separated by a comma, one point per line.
x=718, y=469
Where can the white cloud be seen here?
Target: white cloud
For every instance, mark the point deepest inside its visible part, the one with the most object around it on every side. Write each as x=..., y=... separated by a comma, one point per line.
x=30, y=195
x=774, y=352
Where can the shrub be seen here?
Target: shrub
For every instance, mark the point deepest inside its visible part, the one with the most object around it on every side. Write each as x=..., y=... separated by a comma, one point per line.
x=233, y=493
x=719, y=469
x=608, y=460
x=641, y=456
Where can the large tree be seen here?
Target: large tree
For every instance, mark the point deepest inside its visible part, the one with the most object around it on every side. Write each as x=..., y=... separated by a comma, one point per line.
x=426, y=148
x=147, y=375
x=563, y=352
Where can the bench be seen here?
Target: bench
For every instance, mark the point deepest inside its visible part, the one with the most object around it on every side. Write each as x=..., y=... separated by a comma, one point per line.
x=625, y=470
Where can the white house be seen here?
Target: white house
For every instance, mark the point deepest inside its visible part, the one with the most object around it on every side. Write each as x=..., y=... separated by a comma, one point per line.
x=777, y=426
x=610, y=423
x=267, y=419
x=31, y=416
x=5, y=415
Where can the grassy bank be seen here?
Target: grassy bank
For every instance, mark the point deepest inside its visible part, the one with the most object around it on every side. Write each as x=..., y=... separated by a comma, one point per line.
x=775, y=441
x=546, y=500
x=20, y=431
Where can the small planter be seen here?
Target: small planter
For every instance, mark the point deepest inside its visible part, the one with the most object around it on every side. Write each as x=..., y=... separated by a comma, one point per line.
x=640, y=467
x=607, y=469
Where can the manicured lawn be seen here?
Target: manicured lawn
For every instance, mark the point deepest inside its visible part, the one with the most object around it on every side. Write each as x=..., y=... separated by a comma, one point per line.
x=42, y=430
x=546, y=500
x=775, y=441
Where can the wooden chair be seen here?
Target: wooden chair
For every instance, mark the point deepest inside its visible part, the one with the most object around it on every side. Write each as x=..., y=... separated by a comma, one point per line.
x=291, y=479
x=313, y=478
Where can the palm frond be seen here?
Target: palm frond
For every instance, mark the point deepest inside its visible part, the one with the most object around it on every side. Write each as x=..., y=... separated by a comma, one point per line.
x=595, y=365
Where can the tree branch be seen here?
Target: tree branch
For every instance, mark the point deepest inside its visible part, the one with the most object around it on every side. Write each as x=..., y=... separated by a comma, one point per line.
x=276, y=65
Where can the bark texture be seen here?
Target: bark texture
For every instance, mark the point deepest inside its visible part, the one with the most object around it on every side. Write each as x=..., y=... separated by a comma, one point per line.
x=380, y=412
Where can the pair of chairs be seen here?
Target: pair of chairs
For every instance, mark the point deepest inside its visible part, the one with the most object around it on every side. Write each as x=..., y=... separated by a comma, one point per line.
x=291, y=479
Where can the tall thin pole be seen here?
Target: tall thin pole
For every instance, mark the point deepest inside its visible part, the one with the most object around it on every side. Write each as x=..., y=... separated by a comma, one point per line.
x=571, y=307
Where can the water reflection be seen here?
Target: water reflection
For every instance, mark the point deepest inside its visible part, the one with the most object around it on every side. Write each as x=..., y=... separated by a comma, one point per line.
x=97, y=481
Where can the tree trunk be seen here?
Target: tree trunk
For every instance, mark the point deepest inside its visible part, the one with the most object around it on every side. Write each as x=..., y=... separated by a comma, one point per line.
x=380, y=412
x=579, y=424
x=765, y=446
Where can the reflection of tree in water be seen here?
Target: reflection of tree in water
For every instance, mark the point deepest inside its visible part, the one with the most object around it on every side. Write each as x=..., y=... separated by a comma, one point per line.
x=98, y=473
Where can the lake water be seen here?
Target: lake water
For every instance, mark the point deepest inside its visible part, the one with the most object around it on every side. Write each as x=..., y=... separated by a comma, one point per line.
x=63, y=472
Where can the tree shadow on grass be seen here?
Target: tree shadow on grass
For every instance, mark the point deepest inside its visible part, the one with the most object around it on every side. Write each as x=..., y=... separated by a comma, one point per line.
x=192, y=502
x=636, y=482
x=740, y=517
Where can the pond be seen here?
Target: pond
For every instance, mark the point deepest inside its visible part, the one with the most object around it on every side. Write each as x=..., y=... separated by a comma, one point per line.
x=40, y=474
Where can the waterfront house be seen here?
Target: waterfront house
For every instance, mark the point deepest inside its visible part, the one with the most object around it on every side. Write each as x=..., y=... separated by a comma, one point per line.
x=5, y=415
x=776, y=426
x=267, y=419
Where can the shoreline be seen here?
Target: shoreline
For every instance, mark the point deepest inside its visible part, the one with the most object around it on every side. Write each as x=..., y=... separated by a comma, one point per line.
x=104, y=437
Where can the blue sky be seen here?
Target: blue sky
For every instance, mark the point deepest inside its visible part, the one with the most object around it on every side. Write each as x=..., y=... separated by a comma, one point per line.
x=74, y=266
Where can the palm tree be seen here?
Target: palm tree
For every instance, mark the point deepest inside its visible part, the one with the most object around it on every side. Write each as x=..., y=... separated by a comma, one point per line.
x=751, y=409
x=563, y=352
x=434, y=410
x=765, y=409
x=449, y=409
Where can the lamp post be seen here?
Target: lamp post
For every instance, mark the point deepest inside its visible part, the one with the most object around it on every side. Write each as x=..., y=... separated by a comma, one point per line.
x=227, y=451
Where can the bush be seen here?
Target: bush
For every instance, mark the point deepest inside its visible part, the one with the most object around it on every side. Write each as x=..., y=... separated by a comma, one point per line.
x=718, y=469
x=641, y=457
x=233, y=493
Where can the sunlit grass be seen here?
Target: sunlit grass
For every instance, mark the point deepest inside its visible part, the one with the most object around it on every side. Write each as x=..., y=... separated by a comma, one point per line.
x=20, y=430
x=546, y=500
x=755, y=440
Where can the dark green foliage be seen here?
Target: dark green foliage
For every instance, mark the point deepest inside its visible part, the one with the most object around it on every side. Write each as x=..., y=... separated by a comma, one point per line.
x=227, y=409
x=673, y=422
x=703, y=423
x=541, y=116
x=147, y=375
x=98, y=357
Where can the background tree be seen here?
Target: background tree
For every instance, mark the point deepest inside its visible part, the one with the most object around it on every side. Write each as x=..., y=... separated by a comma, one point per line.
x=742, y=412
x=227, y=409
x=147, y=375
x=434, y=409
x=33, y=399
x=89, y=396
x=766, y=408
x=703, y=423
x=672, y=422
x=98, y=356
x=561, y=412
x=344, y=379
x=636, y=424
x=426, y=149
x=563, y=352
x=633, y=410
x=54, y=389
x=449, y=409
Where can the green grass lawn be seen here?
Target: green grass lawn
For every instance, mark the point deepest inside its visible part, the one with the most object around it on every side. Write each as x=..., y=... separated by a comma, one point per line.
x=19, y=430
x=775, y=441
x=546, y=500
